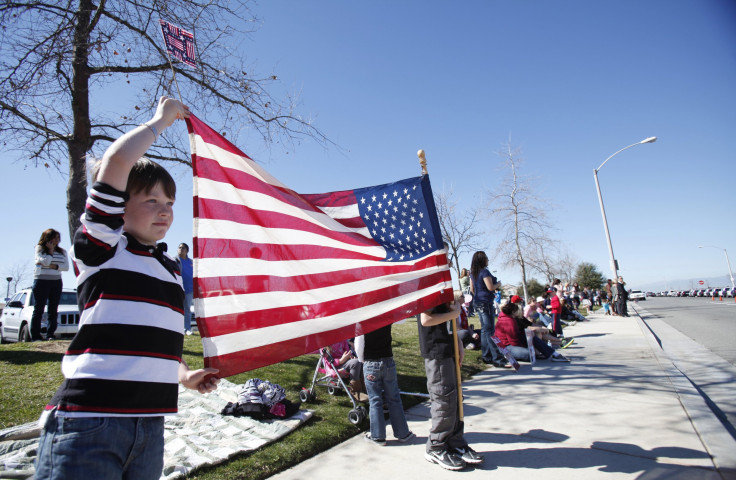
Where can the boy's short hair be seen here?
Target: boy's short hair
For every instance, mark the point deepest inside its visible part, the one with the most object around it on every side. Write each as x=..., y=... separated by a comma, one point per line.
x=144, y=175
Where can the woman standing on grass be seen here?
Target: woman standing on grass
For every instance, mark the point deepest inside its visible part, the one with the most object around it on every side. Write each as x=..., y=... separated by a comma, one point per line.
x=50, y=260
x=482, y=286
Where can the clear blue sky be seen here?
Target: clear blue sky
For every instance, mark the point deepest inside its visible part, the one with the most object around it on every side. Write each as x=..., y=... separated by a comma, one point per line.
x=570, y=82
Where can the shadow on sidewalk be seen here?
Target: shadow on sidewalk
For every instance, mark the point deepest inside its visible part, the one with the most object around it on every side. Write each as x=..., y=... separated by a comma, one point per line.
x=608, y=457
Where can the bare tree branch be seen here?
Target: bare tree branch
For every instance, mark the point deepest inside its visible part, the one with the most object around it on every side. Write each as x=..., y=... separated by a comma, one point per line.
x=55, y=55
x=461, y=230
x=517, y=216
x=19, y=274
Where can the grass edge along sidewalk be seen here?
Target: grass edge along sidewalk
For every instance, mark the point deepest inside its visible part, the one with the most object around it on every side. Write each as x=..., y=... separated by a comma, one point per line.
x=30, y=373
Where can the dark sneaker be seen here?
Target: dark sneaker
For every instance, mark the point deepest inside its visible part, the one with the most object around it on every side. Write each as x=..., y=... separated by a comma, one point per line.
x=468, y=455
x=559, y=358
x=444, y=459
x=375, y=441
x=567, y=342
x=408, y=437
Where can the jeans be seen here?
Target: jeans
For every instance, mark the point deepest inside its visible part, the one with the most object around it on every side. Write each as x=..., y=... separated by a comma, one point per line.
x=381, y=382
x=489, y=350
x=45, y=291
x=188, y=311
x=130, y=448
x=522, y=353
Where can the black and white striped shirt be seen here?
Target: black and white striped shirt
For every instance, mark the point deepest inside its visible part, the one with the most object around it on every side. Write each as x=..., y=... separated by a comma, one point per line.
x=125, y=358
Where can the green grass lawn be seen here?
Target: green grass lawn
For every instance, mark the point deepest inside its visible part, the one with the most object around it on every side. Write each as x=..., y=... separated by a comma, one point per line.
x=30, y=373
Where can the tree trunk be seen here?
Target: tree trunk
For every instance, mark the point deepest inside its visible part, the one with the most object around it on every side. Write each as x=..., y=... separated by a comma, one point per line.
x=80, y=143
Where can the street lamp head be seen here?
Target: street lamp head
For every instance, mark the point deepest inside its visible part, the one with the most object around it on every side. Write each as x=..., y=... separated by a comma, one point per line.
x=649, y=140
x=10, y=279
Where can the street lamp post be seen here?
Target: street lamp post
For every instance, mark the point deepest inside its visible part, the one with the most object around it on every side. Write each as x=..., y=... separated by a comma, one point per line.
x=7, y=292
x=614, y=266
x=728, y=262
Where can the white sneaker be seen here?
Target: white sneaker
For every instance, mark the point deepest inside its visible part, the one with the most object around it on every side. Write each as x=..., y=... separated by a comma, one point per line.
x=188, y=332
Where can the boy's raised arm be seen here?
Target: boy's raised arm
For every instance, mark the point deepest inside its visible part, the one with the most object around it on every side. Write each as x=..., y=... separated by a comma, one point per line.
x=122, y=154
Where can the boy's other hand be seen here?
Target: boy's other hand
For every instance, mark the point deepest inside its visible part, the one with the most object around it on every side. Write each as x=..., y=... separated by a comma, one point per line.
x=202, y=380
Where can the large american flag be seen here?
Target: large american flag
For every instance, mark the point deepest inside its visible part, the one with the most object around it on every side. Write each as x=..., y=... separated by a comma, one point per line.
x=179, y=43
x=279, y=274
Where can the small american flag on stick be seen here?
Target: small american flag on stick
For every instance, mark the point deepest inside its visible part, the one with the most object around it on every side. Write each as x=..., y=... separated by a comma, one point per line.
x=179, y=43
x=279, y=274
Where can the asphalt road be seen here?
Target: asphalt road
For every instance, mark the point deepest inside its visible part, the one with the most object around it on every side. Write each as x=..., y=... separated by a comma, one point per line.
x=712, y=324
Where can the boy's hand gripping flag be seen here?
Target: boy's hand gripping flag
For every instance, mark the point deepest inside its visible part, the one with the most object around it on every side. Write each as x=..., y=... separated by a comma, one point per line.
x=279, y=274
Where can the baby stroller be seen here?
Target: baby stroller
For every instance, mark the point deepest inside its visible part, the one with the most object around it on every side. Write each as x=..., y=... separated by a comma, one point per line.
x=328, y=374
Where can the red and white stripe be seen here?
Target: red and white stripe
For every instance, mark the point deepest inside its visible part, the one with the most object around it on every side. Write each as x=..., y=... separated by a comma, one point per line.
x=279, y=274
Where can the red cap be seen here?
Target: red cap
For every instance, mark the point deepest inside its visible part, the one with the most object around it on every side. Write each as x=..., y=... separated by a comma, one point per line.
x=515, y=299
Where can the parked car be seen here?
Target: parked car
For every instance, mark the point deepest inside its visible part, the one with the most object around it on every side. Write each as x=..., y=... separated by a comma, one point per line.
x=16, y=316
x=637, y=295
x=726, y=292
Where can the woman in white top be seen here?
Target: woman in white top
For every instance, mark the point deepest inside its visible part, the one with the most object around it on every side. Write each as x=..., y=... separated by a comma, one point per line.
x=50, y=260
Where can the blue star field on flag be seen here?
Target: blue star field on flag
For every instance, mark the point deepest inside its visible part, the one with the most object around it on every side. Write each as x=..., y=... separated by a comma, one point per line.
x=398, y=217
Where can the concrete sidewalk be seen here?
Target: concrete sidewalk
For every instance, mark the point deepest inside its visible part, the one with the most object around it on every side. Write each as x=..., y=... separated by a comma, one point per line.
x=613, y=412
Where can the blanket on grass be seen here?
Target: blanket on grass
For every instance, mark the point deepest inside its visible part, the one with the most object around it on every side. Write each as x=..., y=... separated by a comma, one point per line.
x=199, y=435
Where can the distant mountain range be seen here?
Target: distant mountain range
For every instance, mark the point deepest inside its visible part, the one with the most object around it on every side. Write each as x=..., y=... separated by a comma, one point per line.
x=686, y=284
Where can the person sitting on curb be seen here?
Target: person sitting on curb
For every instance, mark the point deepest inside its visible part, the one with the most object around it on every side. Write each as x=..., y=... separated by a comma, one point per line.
x=537, y=314
x=465, y=333
x=541, y=327
x=512, y=336
x=570, y=314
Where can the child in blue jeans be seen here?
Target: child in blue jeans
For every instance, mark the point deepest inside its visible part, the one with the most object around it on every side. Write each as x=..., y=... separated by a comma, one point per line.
x=122, y=369
x=382, y=384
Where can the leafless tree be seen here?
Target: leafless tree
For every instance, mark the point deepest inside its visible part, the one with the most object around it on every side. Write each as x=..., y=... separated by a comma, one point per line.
x=55, y=55
x=19, y=273
x=543, y=257
x=568, y=265
x=517, y=216
x=461, y=230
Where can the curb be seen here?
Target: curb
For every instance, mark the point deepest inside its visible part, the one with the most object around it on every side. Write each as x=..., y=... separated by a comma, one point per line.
x=714, y=436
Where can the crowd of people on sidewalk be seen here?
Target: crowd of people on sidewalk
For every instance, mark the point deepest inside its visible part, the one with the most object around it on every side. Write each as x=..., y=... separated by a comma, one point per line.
x=504, y=327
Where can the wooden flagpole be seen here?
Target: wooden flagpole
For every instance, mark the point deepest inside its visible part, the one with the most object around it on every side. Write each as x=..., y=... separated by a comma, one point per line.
x=423, y=164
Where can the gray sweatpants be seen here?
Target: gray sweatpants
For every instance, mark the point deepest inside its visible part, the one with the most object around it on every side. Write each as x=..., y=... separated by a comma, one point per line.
x=447, y=430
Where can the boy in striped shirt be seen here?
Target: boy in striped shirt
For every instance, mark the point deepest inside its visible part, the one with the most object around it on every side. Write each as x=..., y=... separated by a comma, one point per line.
x=122, y=369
